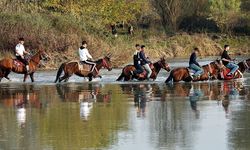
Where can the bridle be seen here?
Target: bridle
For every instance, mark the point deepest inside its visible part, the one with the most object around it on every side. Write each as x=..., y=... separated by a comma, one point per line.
x=105, y=64
x=162, y=64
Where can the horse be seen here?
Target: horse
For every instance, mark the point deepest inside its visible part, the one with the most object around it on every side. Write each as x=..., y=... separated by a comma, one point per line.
x=73, y=67
x=182, y=74
x=243, y=66
x=8, y=64
x=156, y=67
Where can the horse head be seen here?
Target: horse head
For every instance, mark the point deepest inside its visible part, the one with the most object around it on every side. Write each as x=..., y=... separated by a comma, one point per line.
x=44, y=56
x=162, y=62
x=106, y=62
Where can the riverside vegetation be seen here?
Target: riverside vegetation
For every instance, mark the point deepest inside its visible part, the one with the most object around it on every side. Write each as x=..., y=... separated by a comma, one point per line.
x=167, y=28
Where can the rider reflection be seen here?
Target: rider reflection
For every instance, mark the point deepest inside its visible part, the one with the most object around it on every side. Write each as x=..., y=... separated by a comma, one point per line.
x=20, y=102
x=86, y=99
x=142, y=93
x=195, y=95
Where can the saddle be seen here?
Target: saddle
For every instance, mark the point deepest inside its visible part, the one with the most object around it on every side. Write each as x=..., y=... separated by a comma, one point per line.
x=224, y=72
x=84, y=67
x=191, y=71
x=144, y=73
x=18, y=63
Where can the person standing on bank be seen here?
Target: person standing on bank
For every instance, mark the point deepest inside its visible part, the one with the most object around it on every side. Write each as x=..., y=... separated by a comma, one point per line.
x=228, y=62
x=20, y=52
x=85, y=56
x=193, y=64
x=145, y=62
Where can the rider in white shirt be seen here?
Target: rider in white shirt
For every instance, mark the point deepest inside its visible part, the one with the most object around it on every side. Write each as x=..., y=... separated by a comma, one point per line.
x=85, y=56
x=20, y=51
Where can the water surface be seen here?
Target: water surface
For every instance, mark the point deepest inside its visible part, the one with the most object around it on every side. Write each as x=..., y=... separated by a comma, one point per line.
x=105, y=114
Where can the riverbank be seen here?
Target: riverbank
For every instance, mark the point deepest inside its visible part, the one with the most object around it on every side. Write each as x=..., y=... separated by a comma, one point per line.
x=122, y=48
x=181, y=45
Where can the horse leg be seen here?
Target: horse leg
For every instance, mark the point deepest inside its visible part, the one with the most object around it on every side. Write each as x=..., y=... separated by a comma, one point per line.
x=170, y=78
x=25, y=77
x=67, y=79
x=64, y=77
x=32, y=77
x=127, y=78
x=6, y=75
x=90, y=76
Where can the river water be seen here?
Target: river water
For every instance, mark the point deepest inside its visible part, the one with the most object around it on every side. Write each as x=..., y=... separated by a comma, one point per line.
x=105, y=114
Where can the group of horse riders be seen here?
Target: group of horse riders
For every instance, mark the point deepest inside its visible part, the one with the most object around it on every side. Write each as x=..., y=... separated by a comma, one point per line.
x=139, y=58
x=226, y=60
x=84, y=55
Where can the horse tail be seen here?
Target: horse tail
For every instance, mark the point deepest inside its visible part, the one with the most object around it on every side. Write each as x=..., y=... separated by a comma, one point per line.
x=59, y=72
x=120, y=77
x=170, y=77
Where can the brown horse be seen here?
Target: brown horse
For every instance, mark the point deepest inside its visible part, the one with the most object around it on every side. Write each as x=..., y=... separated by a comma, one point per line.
x=73, y=67
x=243, y=66
x=156, y=67
x=182, y=74
x=8, y=64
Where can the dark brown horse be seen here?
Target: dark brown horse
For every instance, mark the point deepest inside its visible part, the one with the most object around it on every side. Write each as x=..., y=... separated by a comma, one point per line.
x=182, y=74
x=243, y=66
x=8, y=64
x=156, y=67
x=73, y=67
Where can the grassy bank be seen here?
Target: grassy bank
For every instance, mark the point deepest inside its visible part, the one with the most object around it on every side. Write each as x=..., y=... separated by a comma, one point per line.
x=61, y=36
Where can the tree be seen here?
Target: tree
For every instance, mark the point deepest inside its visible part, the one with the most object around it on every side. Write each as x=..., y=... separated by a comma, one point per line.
x=101, y=12
x=224, y=13
x=173, y=11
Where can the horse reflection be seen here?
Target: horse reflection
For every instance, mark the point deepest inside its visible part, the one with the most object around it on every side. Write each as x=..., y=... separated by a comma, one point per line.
x=86, y=95
x=142, y=93
x=222, y=92
x=20, y=100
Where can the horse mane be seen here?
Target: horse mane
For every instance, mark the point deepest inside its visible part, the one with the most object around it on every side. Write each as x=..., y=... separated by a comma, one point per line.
x=99, y=60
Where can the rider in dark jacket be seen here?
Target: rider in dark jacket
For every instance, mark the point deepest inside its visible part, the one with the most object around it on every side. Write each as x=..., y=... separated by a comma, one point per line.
x=137, y=61
x=145, y=62
x=227, y=61
x=193, y=64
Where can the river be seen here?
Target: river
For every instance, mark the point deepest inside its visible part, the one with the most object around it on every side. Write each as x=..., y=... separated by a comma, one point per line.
x=105, y=114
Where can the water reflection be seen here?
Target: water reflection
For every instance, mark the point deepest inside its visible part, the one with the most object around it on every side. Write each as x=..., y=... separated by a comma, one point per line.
x=142, y=94
x=86, y=95
x=125, y=116
x=220, y=92
x=20, y=99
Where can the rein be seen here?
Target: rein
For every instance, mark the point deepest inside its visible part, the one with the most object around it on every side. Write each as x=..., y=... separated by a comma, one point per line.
x=33, y=59
x=104, y=62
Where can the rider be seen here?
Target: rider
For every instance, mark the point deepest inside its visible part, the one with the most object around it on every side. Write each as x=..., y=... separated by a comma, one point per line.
x=228, y=62
x=193, y=64
x=145, y=62
x=84, y=56
x=137, y=62
x=20, y=51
